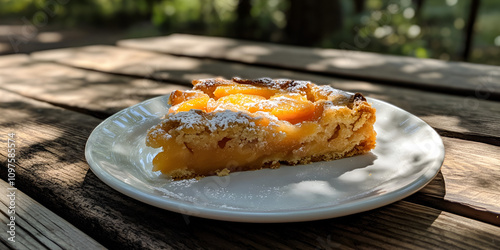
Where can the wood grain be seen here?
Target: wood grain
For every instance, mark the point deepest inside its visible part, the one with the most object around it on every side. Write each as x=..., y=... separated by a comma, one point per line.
x=455, y=116
x=468, y=181
x=449, y=77
x=36, y=227
x=102, y=94
x=60, y=179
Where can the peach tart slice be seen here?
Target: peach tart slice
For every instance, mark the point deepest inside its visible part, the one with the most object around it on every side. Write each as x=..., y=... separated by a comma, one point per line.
x=222, y=126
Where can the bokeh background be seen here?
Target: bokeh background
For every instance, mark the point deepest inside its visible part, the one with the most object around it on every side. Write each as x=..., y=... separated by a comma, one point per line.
x=454, y=30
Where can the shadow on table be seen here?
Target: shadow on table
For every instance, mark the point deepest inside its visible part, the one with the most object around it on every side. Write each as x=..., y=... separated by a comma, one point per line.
x=146, y=226
x=141, y=224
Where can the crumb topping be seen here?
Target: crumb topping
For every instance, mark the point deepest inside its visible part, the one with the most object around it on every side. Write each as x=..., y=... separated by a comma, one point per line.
x=287, y=85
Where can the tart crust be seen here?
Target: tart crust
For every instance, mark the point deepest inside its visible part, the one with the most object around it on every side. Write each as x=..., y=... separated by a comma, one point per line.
x=222, y=126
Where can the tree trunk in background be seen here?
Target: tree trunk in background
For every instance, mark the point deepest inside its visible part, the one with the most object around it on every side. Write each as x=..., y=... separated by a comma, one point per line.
x=243, y=24
x=309, y=22
x=359, y=6
x=469, y=29
x=418, y=7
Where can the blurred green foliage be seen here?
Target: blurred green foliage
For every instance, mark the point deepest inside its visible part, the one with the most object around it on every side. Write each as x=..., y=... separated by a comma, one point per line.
x=433, y=30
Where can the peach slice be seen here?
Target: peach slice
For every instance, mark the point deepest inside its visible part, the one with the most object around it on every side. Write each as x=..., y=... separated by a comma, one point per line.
x=294, y=108
x=199, y=102
x=237, y=102
x=246, y=89
x=179, y=96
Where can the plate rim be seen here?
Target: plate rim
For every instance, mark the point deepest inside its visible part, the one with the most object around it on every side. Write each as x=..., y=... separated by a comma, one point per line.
x=294, y=215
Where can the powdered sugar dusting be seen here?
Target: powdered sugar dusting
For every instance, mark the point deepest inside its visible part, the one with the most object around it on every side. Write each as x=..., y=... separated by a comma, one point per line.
x=327, y=90
x=226, y=118
x=217, y=120
x=298, y=86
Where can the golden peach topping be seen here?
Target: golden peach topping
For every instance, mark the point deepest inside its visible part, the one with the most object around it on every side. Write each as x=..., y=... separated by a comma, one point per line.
x=291, y=107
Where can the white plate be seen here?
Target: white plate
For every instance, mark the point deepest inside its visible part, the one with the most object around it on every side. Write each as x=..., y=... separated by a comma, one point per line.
x=408, y=155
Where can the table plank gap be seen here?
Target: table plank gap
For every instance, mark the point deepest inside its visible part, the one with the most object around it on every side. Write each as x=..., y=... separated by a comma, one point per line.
x=456, y=208
x=476, y=137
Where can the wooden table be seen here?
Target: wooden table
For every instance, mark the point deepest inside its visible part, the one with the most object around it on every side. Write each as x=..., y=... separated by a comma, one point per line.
x=52, y=100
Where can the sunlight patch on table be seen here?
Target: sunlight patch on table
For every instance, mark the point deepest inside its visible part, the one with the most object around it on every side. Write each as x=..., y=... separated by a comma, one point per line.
x=342, y=63
x=251, y=53
x=423, y=65
x=431, y=75
x=190, y=77
x=442, y=121
x=49, y=37
x=38, y=134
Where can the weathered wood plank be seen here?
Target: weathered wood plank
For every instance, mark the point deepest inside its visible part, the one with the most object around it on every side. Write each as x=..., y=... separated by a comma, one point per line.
x=36, y=227
x=104, y=94
x=456, y=116
x=482, y=81
x=51, y=168
x=59, y=178
x=468, y=181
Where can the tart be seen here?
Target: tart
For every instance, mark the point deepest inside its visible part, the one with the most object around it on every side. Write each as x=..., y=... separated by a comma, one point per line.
x=222, y=126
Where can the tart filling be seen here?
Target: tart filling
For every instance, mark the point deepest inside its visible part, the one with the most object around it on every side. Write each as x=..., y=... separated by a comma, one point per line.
x=221, y=126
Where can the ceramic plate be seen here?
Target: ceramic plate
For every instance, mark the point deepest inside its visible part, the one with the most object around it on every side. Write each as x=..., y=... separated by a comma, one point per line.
x=408, y=155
